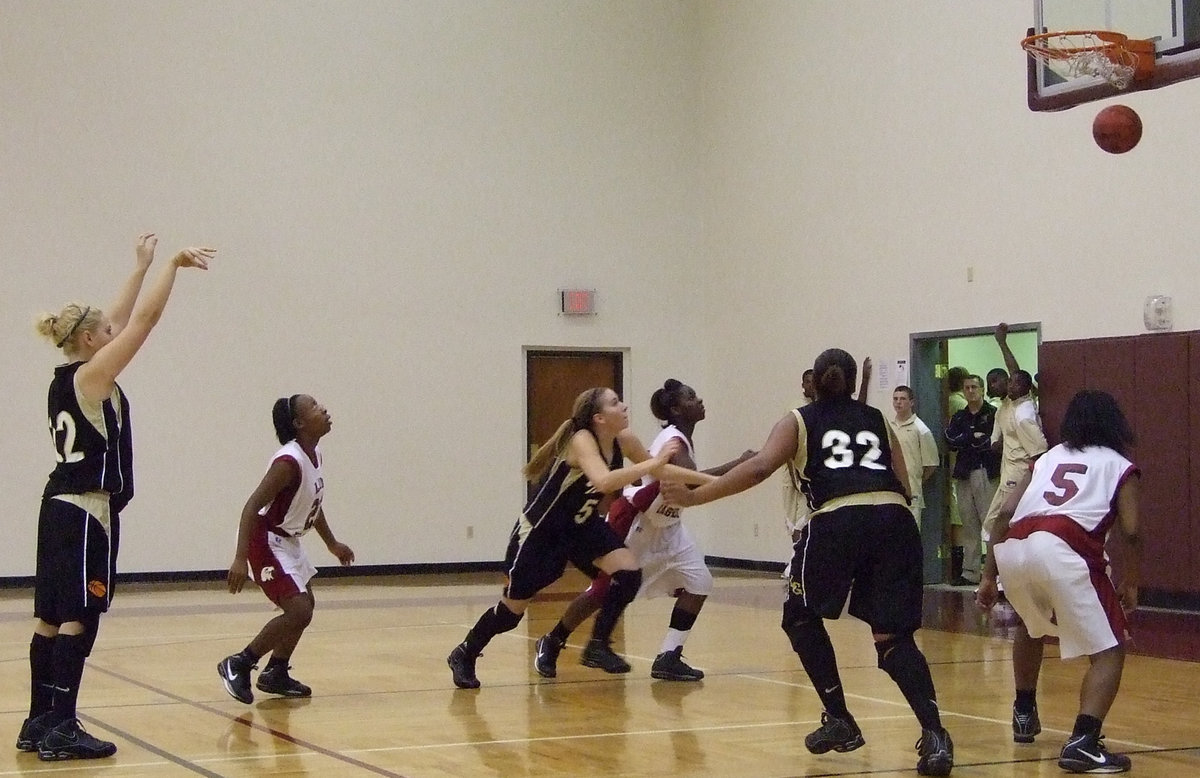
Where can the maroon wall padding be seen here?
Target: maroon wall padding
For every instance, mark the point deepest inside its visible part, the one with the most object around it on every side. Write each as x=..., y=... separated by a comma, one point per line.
x=1161, y=422
x=1193, y=379
x=1149, y=376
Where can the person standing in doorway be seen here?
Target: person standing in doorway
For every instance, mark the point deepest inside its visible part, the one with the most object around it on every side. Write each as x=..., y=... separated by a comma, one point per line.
x=976, y=470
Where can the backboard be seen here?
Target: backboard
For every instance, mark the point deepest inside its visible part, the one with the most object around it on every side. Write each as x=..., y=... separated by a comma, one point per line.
x=1172, y=25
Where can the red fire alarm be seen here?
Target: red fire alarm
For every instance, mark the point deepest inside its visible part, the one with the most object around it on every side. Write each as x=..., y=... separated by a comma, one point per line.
x=578, y=302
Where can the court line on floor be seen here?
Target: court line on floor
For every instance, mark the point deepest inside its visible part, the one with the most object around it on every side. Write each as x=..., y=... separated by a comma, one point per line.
x=313, y=747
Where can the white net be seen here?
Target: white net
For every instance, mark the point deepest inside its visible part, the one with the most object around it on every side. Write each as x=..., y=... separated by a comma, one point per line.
x=1083, y=54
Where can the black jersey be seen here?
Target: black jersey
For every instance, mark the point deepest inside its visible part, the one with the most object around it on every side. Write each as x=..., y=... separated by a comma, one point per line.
x=565, y=493
x=94, y=453
x=843, y=450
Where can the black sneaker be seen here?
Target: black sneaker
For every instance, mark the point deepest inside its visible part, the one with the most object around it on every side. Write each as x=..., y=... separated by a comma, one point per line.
x=70, y=741
x=597, y=653
x=235, y=675
x=34, y=729
x=834, y=734
x=669, y=666
x=935, y=752
x=1087, y=754
x=276, y=680
x=545, y=661
x=462, y=665
x=1025, y=725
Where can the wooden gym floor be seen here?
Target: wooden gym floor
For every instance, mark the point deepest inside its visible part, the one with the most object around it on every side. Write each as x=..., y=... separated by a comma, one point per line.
x=384, y=705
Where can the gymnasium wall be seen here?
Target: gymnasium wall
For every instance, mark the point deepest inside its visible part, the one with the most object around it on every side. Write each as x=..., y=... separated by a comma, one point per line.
x=398, y=190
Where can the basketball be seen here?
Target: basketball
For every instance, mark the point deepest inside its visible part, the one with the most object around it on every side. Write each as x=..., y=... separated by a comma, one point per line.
x=1117, y=129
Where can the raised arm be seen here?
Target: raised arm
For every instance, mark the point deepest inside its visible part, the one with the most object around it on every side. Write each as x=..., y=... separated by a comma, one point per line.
x=865, y=383
x=780, y=446
x=1010, y=361
x=98, y=375
x=118, y=312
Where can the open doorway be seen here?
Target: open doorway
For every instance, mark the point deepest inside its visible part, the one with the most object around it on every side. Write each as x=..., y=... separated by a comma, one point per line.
x=932, y=354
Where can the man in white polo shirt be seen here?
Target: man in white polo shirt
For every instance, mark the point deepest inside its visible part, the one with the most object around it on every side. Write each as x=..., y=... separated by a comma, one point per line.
x=917, y=443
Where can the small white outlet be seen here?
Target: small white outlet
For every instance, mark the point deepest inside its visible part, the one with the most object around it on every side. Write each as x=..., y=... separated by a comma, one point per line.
x=756, y=530
x=470, y=531
x=970, y=273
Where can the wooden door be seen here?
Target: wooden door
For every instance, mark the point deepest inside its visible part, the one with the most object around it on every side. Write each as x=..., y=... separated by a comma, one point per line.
x=554, y=379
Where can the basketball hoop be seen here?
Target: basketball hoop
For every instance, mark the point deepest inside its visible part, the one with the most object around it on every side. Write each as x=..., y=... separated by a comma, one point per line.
x=1111, y=56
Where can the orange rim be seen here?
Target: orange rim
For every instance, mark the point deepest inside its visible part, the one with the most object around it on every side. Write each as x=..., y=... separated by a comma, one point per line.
x=1039, y=43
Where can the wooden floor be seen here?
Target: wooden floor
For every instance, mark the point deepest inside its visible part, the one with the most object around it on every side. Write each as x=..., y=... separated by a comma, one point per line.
x=383, y=702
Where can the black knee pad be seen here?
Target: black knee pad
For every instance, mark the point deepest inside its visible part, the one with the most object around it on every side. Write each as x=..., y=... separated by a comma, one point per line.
x=504, y=619
x=893, y=650
x=625, y=585
x=805, y=632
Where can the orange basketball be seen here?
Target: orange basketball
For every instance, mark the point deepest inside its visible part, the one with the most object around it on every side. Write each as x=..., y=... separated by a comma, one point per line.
x=1117, y=129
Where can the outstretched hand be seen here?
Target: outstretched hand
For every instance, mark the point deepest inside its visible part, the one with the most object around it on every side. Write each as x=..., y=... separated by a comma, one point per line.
x=1001, y=332
x=196, y=256
x=675, y=493
x=144, y=250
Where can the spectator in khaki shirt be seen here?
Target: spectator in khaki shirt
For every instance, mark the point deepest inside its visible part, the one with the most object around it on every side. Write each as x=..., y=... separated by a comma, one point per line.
x=1017, y=434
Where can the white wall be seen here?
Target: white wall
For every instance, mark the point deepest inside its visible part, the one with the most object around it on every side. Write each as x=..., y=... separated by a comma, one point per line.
x=861, y=155
x=398, y=189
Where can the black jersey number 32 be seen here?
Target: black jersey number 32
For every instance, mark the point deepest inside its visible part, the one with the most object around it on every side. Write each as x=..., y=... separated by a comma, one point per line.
x=837, y=443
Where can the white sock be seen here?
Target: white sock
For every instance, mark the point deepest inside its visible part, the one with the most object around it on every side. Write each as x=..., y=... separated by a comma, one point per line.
x=675, y=638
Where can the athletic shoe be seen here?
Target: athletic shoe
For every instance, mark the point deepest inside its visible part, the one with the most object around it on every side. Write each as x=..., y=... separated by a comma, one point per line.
x=275, y=680
x=960, y=582
x=69, y=741
x=545, y=660
x=33, y=730
x=1025, y=725
x=834, y=734
x=935, y=752
x=462, y=666
x=1087, y=754
x=669, y=666
x=235, y=675
x=597, y=653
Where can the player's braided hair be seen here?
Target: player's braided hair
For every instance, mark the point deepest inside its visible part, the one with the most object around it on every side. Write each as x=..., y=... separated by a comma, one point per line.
x=283, y=414
x=835, y=371
x=666, y=398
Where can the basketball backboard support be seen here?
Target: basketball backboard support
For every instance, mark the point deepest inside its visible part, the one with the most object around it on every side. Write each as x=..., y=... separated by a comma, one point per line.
x=1172, y=25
